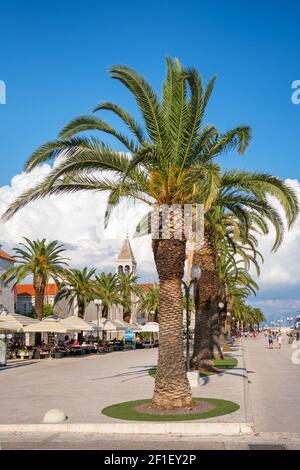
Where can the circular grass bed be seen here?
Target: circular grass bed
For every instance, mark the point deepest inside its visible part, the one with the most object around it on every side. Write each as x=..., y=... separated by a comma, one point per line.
x=130, y=410
x=226, y=363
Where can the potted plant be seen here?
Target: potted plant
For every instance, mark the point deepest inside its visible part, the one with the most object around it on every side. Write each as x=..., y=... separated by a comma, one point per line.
x=22, y=353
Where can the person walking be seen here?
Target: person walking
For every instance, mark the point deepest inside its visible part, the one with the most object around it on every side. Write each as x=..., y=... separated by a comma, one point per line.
x=279, y=340
x=270, y=339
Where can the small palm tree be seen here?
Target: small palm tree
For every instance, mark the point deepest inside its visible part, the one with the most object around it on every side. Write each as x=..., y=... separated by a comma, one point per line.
x=127, y=288
x=149, y=303
x=78, y=287
x=106, y=289
x=38, y=259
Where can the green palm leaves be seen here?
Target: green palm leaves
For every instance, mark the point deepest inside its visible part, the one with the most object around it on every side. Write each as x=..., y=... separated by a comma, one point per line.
x=171, y=154
x=77, y=286
x=149, y=302
x=36, y=258
x=106, y=289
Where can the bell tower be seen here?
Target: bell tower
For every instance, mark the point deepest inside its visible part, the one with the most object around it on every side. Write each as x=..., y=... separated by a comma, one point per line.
x=126, y=262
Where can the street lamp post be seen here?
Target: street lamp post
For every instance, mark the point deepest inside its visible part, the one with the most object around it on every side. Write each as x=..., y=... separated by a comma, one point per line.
x=3, y=348
x=195, y=276
x=98, y=303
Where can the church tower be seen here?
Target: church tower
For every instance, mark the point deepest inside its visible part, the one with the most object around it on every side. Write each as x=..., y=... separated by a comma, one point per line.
x=126, y=261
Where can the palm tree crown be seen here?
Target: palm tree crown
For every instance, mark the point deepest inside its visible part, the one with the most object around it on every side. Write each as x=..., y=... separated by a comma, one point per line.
x=38, y=259
x=106, y=289
x=78, y=287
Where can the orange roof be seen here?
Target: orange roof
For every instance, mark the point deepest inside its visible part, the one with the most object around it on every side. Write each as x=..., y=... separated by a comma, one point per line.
x=28, y=289
x=146, y=286
x=6, y=256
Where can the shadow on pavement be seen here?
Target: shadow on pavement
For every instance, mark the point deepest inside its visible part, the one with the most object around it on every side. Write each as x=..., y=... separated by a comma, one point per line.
x=142, y=372
x=16, y=365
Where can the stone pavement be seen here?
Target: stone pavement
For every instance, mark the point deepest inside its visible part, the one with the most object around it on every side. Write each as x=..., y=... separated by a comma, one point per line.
x=135, y=442
x=83, y=386
x=274, y=383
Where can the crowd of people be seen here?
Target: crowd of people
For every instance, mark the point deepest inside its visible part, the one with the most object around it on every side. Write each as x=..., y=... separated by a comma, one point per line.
x=276, y=336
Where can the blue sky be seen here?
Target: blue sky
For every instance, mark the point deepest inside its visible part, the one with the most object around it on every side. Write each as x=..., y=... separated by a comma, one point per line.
x=55, y=57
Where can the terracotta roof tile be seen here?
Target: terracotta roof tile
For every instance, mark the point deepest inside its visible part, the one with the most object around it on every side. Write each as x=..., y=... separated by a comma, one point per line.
x=28, y=289
x=146, y=286
x=5, y=256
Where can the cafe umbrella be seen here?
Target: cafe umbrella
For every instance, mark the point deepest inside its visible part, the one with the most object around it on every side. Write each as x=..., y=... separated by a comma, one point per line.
x=150, y=327
x=49, y=325
x=74, y=323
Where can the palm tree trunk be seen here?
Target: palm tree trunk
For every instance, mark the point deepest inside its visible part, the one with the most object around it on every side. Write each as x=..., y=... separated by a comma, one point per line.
x=216, y=350
x=105, y=311
x=172, y=389
x=81, y=309
x=206, y=295
x=39, y=287
x=126, y=316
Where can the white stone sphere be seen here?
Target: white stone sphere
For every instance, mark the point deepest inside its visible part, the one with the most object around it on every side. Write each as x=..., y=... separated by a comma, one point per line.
x=54, y=416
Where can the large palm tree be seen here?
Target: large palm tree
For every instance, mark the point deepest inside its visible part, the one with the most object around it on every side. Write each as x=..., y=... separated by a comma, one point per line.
x=41, y=260
x=106, y=289
x=244, y=195
x=165, y=165
x=127, y=287
x=77, y=286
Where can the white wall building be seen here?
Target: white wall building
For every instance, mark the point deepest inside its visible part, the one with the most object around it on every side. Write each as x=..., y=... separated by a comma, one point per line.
x=25, y=297
x=6, y=292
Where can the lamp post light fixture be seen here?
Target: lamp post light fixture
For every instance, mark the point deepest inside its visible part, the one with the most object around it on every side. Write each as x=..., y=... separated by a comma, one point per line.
x=98, y=303
x=195, y=276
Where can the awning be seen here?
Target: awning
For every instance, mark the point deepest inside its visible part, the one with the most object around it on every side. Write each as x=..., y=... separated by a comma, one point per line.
x=9, y=326
x=74, y=323
x=150, y=327
x=127, y=326
x=107, y=325
x=46, y=326
x=20, y=320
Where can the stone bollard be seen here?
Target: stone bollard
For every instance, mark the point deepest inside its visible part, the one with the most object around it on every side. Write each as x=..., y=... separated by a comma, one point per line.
x=193, y=377
x=54, y=416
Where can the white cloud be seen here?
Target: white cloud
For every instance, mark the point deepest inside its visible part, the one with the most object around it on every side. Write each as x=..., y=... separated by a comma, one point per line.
x=281, y=269
x=76, y=220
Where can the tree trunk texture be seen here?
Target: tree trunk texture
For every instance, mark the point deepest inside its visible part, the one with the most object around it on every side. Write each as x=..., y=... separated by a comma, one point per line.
x=206, y=294
x=81, y=309
x=105, y=312
x=39, y=287
x=172, y=389
x=216, y=350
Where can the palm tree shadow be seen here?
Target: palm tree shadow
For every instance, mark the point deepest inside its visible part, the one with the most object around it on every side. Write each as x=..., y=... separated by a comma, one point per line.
x=16, y=365
x=207, y=378
x=143, y=371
